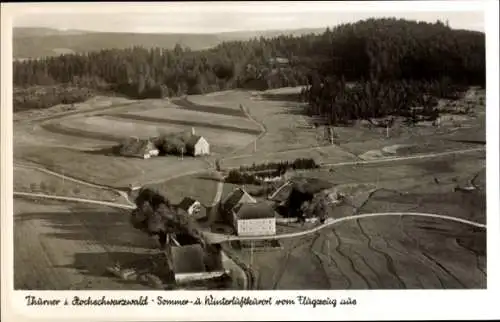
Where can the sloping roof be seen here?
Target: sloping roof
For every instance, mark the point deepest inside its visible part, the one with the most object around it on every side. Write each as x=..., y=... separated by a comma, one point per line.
x=255, y=211
x=235, y=197
x=191, y=141
x=188, y=259
x=186, y=203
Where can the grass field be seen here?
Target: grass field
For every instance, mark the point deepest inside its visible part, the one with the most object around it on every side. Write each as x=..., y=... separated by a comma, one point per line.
x=201, y=187
x=326, y=154
x=189, y=104
x=67, y=246
x=107, y=170
x=192, y=118
x=389, y=252
x=29, y=180
x=107, y=128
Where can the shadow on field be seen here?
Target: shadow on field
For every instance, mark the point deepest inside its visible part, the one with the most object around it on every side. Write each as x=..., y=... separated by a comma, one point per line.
x=208, y=178
x=108, y=151
x=110, y=229
x=295, y=97
x=96, y=264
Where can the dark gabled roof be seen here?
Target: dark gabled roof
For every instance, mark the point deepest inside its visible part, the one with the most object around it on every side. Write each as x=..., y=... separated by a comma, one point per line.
x=255, y=211
x=233, y=199
x=186, y=203
x=192, y=140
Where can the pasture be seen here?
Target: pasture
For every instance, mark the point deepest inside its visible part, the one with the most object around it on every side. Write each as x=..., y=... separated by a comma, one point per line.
x=34, y=181
x=64, y=246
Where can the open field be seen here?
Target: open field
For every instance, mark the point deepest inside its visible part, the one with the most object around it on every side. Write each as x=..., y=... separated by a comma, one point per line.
x=193, y=105
x=97, y=103
x=107, y=170
x=287, y=128
x=114, y=129
x=192, y=118
x=201, y=187
x=65, y=246
x=29, y=180
x=386, y=252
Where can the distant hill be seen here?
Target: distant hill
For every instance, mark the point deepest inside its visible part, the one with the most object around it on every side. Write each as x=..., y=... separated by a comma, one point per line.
x=42, y=42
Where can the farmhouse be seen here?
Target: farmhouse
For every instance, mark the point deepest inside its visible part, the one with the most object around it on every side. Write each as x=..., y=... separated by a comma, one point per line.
x=190, y=205
x=135, y=147
x=256, y=219
x=197, y=145
x=236, y=197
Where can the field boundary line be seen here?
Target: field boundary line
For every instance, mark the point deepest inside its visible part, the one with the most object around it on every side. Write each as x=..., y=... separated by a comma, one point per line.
x=82, y=200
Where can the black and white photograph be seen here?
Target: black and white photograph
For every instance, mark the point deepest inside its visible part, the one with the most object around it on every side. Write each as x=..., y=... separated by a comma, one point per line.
x=238, y=148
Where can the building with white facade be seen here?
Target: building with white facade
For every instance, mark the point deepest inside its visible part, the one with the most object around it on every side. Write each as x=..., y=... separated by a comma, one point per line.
x=197, y=145
x=254, y=219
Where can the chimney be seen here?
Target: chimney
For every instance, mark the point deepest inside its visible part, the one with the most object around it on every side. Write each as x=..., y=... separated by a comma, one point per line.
x=192, y=131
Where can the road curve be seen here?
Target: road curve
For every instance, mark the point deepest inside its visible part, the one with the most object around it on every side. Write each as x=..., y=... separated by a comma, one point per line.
x=63, y=198
x=216, y=238
x=286, y=184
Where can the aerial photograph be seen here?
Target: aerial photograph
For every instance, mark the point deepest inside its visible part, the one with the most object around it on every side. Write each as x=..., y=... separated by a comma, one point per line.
x=247, y=150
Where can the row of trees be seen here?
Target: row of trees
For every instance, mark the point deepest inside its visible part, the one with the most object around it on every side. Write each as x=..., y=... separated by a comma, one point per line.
x=300, y=163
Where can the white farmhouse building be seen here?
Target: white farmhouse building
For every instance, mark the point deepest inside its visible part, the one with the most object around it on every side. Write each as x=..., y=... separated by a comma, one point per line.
x=257, y=219
x=197, y=145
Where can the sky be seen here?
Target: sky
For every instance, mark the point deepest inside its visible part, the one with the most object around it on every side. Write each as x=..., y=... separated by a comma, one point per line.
x=215, y=17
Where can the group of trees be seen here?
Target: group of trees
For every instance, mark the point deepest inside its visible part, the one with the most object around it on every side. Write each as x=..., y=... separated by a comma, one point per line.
x=282, y=166
x=256, y=173
x=156, y=216
x=386, y=67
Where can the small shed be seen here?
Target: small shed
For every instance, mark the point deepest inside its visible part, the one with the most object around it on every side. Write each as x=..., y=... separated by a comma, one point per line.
x=190, y=205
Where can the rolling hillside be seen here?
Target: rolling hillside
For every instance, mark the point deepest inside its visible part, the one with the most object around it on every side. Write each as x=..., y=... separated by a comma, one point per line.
x=41, y=42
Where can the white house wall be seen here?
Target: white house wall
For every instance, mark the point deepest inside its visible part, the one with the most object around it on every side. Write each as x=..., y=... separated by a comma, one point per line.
x=256, y=227
x=201, y=147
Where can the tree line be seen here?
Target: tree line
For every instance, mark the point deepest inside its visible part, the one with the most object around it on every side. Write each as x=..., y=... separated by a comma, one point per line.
x=377, y=53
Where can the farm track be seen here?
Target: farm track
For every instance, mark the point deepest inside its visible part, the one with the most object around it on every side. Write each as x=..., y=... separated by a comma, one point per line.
x=184, y=103
x=157, y=120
